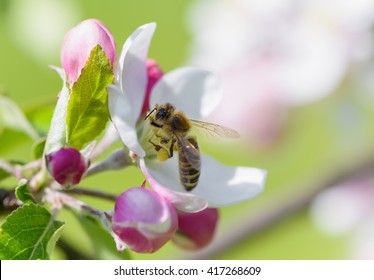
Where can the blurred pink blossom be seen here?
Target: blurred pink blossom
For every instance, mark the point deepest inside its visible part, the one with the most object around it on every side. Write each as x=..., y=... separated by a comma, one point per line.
x=273, y=55
x=348, y=208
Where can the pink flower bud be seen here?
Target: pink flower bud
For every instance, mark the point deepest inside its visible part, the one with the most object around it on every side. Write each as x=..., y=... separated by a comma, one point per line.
x=196, y=230
x=154, y=74
x=79, y=42
x=66, y=166
x=143, y=220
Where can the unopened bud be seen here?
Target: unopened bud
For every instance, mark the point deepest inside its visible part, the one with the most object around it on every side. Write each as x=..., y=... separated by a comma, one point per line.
x=66, y=166
x=196, y=230
x=79, y=42
x=143, y=220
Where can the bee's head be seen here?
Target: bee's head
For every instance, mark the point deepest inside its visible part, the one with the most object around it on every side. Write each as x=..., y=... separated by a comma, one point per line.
x=162, y=112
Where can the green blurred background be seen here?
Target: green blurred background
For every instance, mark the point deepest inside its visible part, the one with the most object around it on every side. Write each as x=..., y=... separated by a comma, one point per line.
x=315, y=143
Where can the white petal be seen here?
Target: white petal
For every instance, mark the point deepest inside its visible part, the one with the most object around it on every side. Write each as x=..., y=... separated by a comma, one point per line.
x=133, y=73
x=223, y=185
x=219, y=185
x=194, y=91
x=122, y=116
x=158, y=177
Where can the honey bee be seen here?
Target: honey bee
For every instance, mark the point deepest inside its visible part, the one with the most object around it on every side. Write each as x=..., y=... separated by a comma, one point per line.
x=172, y=130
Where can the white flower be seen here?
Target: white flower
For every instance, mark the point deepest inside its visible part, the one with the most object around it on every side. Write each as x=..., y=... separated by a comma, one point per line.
x=192, y=91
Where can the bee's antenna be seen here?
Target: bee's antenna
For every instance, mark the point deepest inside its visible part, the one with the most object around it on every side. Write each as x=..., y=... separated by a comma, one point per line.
x=149, y=113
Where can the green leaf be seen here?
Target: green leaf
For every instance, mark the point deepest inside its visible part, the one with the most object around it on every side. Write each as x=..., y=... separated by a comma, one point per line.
x=13, y=118
x=102, y=241
x=54, y=238
x=88, y=113
x=38, y=148
x=23, y=193
x=27, y=233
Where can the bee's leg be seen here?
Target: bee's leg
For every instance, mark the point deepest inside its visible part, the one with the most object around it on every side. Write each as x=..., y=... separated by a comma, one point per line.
x=162, y=153
x=155, y=124
x=165, y=142
x=171, y=149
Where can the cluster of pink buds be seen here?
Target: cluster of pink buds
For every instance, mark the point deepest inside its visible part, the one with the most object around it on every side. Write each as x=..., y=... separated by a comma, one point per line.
x=143, y=220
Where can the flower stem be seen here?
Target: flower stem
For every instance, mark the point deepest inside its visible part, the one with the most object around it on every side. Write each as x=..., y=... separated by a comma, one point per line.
x=118, y=159
x=9, y=168
x=59, y=199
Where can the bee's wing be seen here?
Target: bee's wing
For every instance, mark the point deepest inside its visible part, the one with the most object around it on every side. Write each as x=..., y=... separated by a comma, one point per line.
x=214, y=130
x=190, y=151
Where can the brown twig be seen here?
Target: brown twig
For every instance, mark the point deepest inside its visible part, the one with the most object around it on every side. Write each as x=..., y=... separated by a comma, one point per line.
x=94, y=193
x=9, y=168
x=270, y=216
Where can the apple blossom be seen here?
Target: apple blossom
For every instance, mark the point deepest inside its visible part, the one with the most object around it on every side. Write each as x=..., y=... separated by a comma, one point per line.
x=79, y=42
x=196, y=93
x=143, y=220
x=348, y=207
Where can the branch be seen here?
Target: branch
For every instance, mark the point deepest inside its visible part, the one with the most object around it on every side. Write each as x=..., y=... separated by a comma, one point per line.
x=60, y=199
x=271, y=216
x=94, y=193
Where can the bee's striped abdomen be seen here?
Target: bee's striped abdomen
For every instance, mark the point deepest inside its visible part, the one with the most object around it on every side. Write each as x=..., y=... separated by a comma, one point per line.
x=189, y=170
